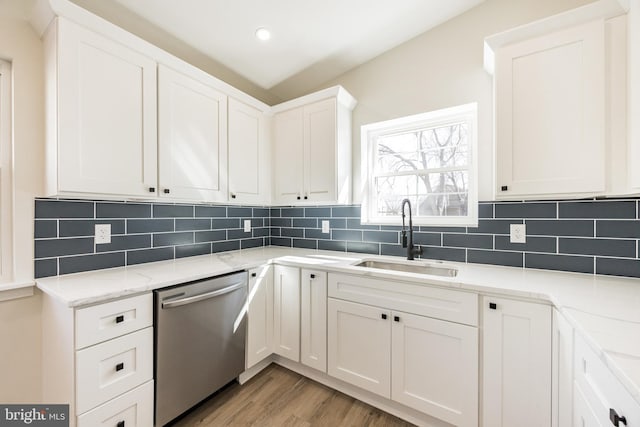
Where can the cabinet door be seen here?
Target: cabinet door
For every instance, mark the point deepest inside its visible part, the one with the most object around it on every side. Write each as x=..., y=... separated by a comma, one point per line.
x=313, y=319
x=562, y=375
x=550, y=110
x=516, y=363
x=358, y=343
x=286, y=307
x=106, y=115
x=192, y=138
x=288, y=156
x=320, y=151
x=435, y=367
x=583, y=414
x=260, y=315
x=248, y=171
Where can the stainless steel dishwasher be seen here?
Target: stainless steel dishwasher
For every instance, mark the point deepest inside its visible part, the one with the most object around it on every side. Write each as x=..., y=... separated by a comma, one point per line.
x=199, y=341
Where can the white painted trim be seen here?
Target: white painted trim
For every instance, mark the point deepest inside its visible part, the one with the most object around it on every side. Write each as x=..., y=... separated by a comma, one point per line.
x=343, y=97
x=7, y=267
x=16, y=290
x=599, y=9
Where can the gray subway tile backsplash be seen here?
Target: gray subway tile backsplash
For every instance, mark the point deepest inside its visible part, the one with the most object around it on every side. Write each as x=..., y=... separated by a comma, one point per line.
x=561, y=235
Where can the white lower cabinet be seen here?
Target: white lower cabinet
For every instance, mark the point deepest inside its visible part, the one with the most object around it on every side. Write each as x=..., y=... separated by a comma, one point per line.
x=434, y=367
x=516, y=367
x=132, y=409
x=427, y=364
x=562, y=392
x=313, y=319
x=99, y=360
x=260, y=315
x=358, y=343
x=598, y=396
x=286, y=311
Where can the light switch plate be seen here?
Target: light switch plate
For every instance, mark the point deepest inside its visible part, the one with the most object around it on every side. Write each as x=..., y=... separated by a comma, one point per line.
x=102, y=234
x=325, y=226
x=518, y=233
x=247, y=225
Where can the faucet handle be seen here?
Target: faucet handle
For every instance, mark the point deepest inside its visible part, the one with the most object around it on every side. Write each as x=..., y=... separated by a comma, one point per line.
x=404, y=238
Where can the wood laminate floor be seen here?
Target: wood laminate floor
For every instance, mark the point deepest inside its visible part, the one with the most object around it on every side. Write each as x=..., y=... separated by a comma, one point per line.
x=280, y=397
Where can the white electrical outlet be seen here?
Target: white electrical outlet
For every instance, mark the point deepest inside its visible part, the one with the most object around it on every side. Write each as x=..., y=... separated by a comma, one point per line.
x=325, y=226
x=518, y=233
x=247, y=225
x=103, y=234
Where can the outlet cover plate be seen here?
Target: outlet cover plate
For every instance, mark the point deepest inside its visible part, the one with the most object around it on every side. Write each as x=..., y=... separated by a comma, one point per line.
x=102, y=234
x=247, y=225
x=518, y=233
x=325, y=227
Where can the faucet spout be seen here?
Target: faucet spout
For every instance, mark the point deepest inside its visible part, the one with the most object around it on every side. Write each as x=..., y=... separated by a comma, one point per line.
x=411, y=249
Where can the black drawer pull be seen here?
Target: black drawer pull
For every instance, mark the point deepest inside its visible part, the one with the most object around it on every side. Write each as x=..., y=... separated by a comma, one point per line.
x=504, y=188
x=254, y=274
x=166, y=191
x=152, y=189
x=396, y=318
x=298, y=197
x=233, y=196
x=493, y=305
x=384, y=316
x=616, y=419
x=120, y=319
x=120, y=424
x=119, y=366
x=313, y=276
x=305, y=197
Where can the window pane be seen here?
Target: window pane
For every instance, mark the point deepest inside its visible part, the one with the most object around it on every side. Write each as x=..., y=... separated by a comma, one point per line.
x=447, y=195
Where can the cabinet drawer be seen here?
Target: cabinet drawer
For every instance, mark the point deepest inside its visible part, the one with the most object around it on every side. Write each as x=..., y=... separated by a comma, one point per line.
x=107, y=370
x=134, y=409
x=105, y=321
x=424, y=300
x=601, y=388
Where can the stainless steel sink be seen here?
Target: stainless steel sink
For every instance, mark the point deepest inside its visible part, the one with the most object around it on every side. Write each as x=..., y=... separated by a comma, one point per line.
x=410, y=267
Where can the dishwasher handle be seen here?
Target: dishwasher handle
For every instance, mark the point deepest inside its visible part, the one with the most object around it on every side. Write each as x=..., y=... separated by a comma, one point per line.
x=206, y=295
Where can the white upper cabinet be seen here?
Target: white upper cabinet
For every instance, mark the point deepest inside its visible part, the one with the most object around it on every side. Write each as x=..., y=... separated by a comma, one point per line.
x=560, y=105
x=192, y=138
x=248, y=154
x=101, y=115
x=550, y=114
x=312, y=149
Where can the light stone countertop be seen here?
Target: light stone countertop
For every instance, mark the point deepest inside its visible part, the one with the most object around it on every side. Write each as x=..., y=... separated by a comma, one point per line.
x=604, y=310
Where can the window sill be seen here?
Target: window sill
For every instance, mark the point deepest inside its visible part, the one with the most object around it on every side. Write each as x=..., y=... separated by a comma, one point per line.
x=15, y=290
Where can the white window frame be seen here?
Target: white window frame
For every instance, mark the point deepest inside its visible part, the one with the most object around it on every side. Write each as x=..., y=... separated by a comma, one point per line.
x=6, y=175
x=467, y=113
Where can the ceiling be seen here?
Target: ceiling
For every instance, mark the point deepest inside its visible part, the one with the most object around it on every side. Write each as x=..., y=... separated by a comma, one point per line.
x=306, y=34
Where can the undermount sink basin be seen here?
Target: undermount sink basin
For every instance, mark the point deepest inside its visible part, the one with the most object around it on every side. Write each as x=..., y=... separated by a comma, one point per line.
x=410, y=267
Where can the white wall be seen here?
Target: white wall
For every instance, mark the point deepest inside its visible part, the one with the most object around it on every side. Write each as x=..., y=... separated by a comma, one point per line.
x=20, y=319
x=440, y=68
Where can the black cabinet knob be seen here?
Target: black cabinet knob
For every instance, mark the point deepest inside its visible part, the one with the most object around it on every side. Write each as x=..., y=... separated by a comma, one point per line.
x=493, y=305
x=119, y=366
x=120, y=424
x=233, y=196
x=305, y=197
x=504, y=188
x=152, y=189
x=396, y=318
x=254, y=274
x=384, y=316
x=313, y=276
x=120, y=319
x=298, y=197
x=616, y=419
x=166, y=191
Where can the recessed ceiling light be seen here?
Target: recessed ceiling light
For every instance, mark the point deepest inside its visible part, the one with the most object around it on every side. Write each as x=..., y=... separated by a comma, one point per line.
x=263, y=34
